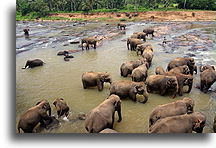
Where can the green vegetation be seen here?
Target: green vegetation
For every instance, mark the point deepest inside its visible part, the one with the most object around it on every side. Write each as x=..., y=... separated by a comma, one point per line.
x=33, y=9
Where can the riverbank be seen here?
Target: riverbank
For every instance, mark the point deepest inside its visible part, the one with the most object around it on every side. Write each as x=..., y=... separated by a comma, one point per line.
x=158, y=16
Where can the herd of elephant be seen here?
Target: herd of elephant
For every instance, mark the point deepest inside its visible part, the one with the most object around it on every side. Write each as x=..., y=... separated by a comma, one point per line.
x=175, y=117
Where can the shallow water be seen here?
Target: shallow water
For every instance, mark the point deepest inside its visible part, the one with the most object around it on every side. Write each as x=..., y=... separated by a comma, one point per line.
x=58, y=78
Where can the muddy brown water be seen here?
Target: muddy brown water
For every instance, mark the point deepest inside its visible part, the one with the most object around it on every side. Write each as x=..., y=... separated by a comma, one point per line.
x=58, y=78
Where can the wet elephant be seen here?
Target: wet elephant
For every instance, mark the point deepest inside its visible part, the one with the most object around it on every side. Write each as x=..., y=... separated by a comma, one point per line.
x=159, y=70
x=102, y=116
x=91, y=78
x=35, y=115
x=181, y=69
x=121, y=26
x=179, y=107
x=207, y=77
x=127, y=88
x=89, y=41
x=148, y=54
x=149, y=31
x=139, y=35
x=180, y=62
x=162, y=83
x=141, y=48
x=133, y=42
x=26, y=32
x=140, y=73
x=127, y=67
x=33, y=63
x=61, y=107
x=180, y=124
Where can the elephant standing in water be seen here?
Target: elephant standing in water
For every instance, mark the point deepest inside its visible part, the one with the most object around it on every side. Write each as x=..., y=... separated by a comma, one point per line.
x=127, y=88
x=95, y=79
x=149, y=31
x=133, y=42
x=33, y=63
x=103, y=115
x=61, y=107
x=180, y=124
x=180, y=62
x=26, y=33
x=179, y=107
x=88, y=41
x=34, y=115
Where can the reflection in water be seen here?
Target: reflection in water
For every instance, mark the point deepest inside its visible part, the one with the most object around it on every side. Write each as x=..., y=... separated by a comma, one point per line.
x=58, y=78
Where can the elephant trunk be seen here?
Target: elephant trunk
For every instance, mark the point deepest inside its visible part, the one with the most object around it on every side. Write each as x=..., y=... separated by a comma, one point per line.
x=119, y=114
x=145, y=94
x=189, y=89
x=49, y=110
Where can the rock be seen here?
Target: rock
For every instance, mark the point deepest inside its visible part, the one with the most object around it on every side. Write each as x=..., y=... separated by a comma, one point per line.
x=66, y=59
x=66, y=45
x=108, y=130
x=190, y=55
x=61, y=53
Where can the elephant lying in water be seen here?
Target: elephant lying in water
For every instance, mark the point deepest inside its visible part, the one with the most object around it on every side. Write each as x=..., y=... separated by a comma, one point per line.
x=180, y=107
x=33, y=63
x=61, y=107
x=180, y=124
x=127, y=88
x=95, y=79
x=34, y=115
x=162, y=83
x=102, y=116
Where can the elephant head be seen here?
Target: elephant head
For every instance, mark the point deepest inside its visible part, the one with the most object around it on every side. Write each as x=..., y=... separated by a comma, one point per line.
x=199, y=122
x=44, y=104
x=116, y=102
x=190, y=61
x=190, y=104
x=186, y=69
x=202, y=68
x=105, y=77
x=189, y=82
x=140, y=88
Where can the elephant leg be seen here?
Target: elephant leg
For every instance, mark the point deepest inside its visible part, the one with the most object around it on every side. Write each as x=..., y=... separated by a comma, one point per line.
x=84, y=84
x=100, y=85
x=162, y=91
x=94, y=45
x=201, y=85
x=82, y=46
x=132, y=96
x=42, y=123
x=189, y=89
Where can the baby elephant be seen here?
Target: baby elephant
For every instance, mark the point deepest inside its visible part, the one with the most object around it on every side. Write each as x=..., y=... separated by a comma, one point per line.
x=34, y=115
x=180, y=124
x=95, y=79
x=103, y=115
x=127, y=88
x=180, y=107
x=33, y=63
x=61, y=107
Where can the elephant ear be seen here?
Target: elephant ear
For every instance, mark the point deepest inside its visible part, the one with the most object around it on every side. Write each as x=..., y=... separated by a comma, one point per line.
x=135, y=89
x=102, y=77
x=38, y=102
x=117, y=104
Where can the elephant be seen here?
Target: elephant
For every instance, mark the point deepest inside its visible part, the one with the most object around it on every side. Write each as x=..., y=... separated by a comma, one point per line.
x=162, y=83
x=133, y=42
x=61, y=107
x=195, y=69
x=181, y=69
x=121, y=26
x=108, y=130
x=140, y=73
x=88, y=41
x=26, y=32
x=64, y=53
x=139, y=35
x=159, y=70
x=202, y=68
x=179, y=107
x=127, y=67
x=148, y=54
x=149, y=31
x=214, y=124
x=207, y=78
x=180, y=62
x=183, y=80
x=33, y=63
x=127, y=88
x=34, y=115
x=102, y=116
x=95, y=79
x=141, y=48
x=180, y=124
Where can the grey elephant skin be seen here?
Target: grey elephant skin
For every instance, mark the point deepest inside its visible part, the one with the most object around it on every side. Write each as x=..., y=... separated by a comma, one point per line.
x=102, y=116
x=33, y=63
x=34, y=115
